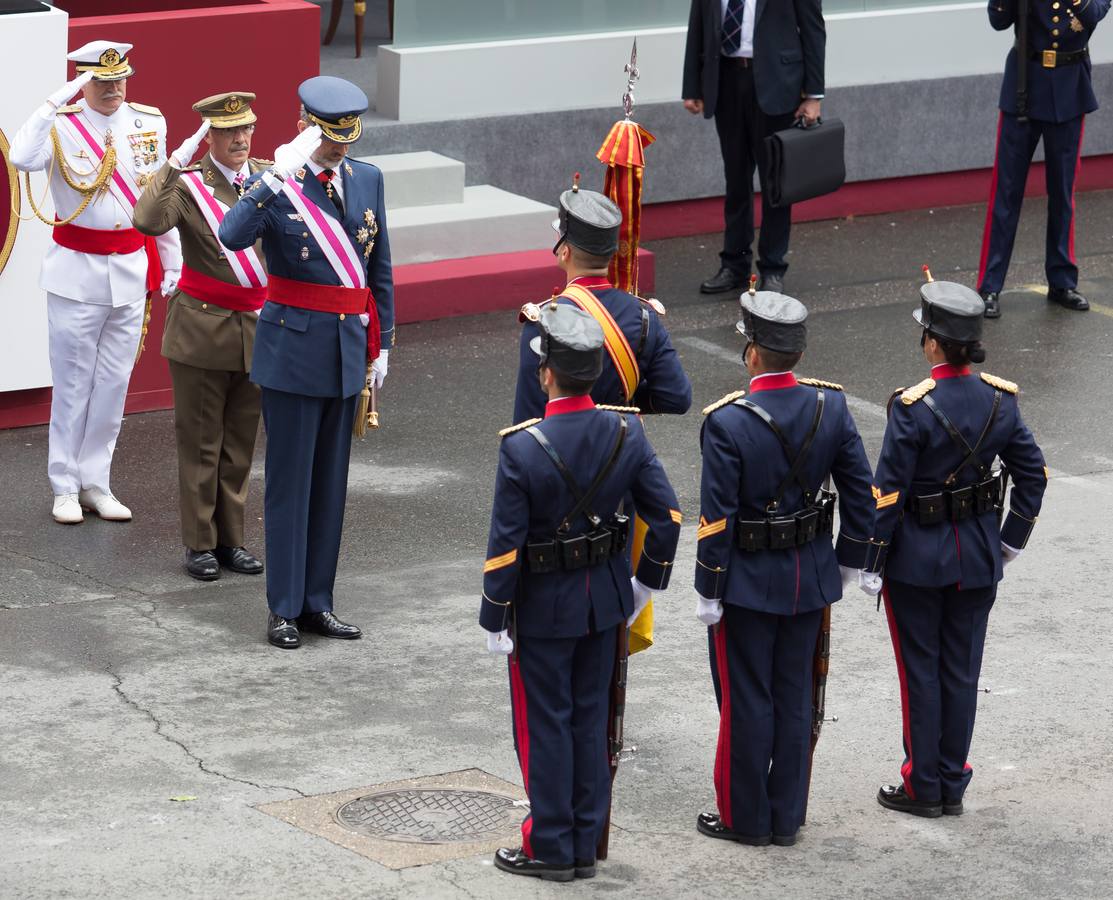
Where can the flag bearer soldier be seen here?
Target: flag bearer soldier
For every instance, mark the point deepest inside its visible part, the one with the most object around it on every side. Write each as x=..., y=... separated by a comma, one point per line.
x=939, y=503
x=322, y=221
x=640, y=368
x=1046, y=93
x=100, y=153
x=766, y=570
x=209, y=333
x=557, y=588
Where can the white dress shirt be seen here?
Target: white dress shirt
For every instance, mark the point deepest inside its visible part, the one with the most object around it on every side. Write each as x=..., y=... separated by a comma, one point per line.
x=230, y=174
x=746, y=47
x=337, y=178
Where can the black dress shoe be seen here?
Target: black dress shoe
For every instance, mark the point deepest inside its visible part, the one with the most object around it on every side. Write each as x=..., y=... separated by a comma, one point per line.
x=239, y=560
x=711, y=825
x=202, y=565
x=771, y=282
x=725, y=280
x=785, y=840
x=283, y=632
x=585, y=868
x=952, y=807
x=992, y=304
x=327, y=624
x=516, y=862
x=1068, y=298
x=892, y=796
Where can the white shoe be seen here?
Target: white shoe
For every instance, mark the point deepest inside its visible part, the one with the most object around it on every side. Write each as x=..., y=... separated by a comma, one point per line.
x=67, y=511
x=104, y=505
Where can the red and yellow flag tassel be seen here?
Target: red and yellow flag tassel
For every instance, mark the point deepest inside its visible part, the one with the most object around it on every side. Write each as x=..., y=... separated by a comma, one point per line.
x=623, y=153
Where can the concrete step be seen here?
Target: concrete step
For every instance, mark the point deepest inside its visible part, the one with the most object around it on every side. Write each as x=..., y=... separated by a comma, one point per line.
x=423, y=178
x=489, y=220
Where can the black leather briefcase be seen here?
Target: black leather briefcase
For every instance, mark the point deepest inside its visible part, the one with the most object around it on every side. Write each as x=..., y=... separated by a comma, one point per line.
x=802, y=163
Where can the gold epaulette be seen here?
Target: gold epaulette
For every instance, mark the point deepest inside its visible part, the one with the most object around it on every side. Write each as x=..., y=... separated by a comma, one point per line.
x=519, y=427
x=621, y=409
x=1000, y=383
x=654, y=304
x=68, y=110
x=815, y=382
x=723, y=401
x=261, y=162
x=917, y=392
x=144, y=108
x=195, y=167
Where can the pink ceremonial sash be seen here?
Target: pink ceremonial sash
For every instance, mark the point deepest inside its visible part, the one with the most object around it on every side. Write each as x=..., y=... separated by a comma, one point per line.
x=330, y=236
x=245, y=263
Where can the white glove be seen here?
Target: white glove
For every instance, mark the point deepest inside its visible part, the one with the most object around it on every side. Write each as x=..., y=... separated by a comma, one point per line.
x=849, y=577
x=500, y=642
x=63, y=95
x=709, y=611
x=378, y=368
x=292, y=156
x=170, y=281
x=642, y=596
x=870, y=583
x=1008, y=554
x=180, y=158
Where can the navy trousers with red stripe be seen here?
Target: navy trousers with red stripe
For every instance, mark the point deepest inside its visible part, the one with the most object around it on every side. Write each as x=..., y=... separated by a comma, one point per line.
x=560, y=697
x=938, y=637
x=1016, y=142
x=761, y=665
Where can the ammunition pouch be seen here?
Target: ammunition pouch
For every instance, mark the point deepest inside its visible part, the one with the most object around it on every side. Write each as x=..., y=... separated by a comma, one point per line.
x=583, y=551
x=958, y=504
x=777, y=532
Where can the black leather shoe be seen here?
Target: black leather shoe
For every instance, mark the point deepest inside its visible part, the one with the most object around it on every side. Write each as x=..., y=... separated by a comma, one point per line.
x=785, y=840
x=992, y=304
x=282, y=632
x=952, y=807
x=771, y=282
x=1068, y=298
x=327, y=624
x=711, y=825
x=725, y=280
x=239, y=560
x=585, y=868
x=516, y=862
x=202, y=565
x=892, y=796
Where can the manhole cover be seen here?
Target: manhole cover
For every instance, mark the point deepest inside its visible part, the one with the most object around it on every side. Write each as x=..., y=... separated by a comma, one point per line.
x=430, y=816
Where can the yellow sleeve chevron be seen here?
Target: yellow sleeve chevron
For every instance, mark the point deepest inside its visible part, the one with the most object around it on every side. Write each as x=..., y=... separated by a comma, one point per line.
x=500, y=562
x=676, y=516
x=710, y=529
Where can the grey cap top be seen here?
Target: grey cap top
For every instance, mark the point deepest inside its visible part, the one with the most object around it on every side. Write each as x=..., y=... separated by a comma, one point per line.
x=589, y=220
x=571, y=341
x=951, y=310
x=775, y=321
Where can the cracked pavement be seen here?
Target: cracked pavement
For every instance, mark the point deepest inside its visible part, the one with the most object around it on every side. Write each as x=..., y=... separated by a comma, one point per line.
x=124, y=684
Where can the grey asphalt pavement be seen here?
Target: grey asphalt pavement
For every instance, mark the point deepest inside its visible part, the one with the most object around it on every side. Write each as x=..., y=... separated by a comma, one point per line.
x=124, y=684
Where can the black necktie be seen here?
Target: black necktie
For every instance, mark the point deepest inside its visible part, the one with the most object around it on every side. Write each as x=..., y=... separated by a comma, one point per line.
x=325, y=177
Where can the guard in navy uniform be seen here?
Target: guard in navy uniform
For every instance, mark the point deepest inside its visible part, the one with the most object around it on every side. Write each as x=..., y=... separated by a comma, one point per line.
x=766, y=568
x=939, y=502
x=1058, y=97
x=329, y=311
x=640, y=367
x=557, y=587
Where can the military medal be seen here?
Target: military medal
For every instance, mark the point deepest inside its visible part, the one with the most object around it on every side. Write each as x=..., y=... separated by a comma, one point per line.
x=144, y=147
x=304, y=253
x=1075, y=24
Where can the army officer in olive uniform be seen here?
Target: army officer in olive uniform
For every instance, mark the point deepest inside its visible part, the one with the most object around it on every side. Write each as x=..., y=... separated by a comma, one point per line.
x=210, y=331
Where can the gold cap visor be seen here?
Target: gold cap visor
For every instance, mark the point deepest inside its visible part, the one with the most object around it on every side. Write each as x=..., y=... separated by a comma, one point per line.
x=117, y=72
x=246, y=117
x=346, y=131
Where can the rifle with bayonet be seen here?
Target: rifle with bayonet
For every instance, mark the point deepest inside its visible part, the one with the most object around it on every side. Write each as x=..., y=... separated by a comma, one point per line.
x=614, y=728
x=821, y=662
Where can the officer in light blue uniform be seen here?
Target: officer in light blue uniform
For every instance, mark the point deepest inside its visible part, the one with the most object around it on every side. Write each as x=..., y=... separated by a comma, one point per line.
x=939, y=502
x=1059, y=95
x=558, y=592
x=315, y=341
x=766, y=568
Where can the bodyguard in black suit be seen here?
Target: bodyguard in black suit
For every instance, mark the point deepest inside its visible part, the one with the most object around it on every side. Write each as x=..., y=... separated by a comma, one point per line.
x=756, y=66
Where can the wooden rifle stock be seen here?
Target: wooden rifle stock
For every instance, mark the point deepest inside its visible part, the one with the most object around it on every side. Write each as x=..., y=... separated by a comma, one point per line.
x=820, y=664
x=1022, y=60
x=614, y=728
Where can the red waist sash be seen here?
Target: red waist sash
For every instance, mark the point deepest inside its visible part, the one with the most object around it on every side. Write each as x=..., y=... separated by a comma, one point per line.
x=328, y=298
x=221, y=293
x=102, y=242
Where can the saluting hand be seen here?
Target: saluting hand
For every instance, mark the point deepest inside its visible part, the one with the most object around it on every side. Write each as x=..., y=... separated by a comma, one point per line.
x=292, y=156
x=180, y=158
x=61, y=96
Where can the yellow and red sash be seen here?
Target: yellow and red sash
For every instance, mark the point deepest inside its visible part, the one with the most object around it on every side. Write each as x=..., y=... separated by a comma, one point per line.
x=618, y=348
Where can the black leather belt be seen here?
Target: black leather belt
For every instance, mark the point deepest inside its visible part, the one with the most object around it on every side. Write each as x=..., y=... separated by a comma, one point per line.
x=583, y=551
x=783, y=532
x=740, y=62
x=957, y=504
x=1052, y=59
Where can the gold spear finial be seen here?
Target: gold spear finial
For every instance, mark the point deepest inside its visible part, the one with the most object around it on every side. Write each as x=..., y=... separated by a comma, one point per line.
x=927, y=273
x=753, y=285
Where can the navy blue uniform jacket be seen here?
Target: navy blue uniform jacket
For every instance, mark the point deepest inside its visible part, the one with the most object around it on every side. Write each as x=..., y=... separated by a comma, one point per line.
x=302, y=351
x=790, y=41
x=531, y=499
x=743, y=463
x=664, y=387
x=1061, y=93
x=917, y=456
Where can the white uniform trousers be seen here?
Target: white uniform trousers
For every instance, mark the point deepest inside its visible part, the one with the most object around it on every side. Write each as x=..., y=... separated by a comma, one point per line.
x=92, y=351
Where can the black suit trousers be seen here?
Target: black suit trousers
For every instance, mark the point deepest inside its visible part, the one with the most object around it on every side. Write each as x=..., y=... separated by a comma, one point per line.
x=742, y=128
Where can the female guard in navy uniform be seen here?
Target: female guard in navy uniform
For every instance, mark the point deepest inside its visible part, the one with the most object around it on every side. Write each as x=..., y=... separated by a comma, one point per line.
x=766, y=569
x=557, y=575
x=938, y=517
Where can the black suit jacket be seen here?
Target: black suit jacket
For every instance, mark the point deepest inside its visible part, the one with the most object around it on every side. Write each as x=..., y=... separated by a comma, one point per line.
x=790, y=40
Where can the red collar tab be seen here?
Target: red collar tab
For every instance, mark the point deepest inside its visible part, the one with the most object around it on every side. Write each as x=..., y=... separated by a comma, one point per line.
x=568, y=405
x=591, y=281
x=946, y=370
x=772, y=382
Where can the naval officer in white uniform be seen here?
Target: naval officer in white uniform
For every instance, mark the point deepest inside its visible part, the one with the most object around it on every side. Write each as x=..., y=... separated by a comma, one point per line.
x=99, y=153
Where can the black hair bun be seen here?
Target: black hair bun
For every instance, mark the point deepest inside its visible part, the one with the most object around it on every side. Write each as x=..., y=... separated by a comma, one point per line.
x=977, y=352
